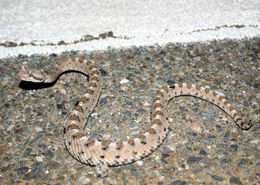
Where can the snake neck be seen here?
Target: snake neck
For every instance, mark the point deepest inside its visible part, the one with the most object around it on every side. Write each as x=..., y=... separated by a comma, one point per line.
x=69, y=64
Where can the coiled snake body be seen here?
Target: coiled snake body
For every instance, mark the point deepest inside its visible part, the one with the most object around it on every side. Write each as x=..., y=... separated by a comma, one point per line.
x=105, y=153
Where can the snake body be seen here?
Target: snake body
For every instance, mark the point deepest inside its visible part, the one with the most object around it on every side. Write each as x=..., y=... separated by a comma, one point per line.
x=95, y=152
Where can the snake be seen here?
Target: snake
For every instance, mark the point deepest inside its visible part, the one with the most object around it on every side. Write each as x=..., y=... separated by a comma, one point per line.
x=104, y=153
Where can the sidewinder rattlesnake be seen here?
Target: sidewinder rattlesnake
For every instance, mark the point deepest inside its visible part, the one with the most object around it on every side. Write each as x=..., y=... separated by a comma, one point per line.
x=104, y=153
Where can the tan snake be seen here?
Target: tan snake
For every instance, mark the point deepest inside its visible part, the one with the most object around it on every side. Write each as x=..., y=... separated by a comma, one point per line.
x=104, y=153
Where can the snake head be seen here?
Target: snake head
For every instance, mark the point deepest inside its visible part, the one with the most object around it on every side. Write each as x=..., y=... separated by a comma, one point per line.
x=31, y=75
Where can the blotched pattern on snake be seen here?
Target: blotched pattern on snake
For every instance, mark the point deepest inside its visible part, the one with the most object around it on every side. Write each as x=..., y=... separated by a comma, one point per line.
x=105, y=153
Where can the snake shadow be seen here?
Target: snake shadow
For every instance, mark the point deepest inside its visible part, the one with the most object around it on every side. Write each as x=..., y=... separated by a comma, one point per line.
x=34, y=86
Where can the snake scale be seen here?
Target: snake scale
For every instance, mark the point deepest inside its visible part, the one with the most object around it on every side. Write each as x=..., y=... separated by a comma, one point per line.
x=104, y=153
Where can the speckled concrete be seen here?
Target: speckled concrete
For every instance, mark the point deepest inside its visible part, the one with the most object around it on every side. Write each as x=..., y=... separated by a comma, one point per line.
x=204, y=145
